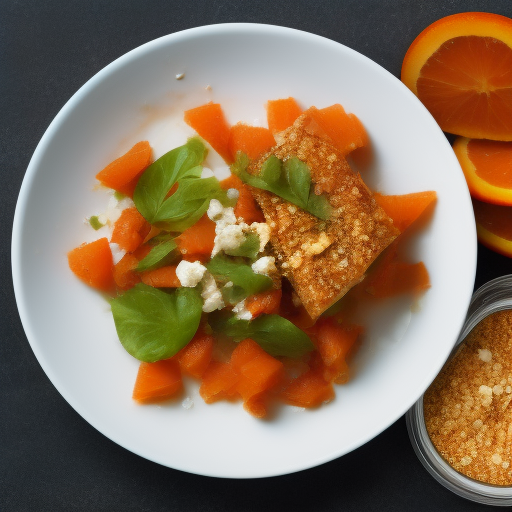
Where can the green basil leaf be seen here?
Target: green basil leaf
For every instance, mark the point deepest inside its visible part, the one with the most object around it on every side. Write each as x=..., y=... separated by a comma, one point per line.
x=239, y=168
x=245, y=281
x=292, y=183
x=249, y=248
x=154, y=325
x=299, y=179
x=189, y=203
x=158, y=179
x=159, y=256
x=271, y=169
x=276, y=335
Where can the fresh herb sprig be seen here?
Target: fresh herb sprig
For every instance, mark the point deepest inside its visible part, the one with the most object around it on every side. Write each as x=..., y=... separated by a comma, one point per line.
x=290, y=180
x=183, y=208
x=152, y=324
x=275, y=334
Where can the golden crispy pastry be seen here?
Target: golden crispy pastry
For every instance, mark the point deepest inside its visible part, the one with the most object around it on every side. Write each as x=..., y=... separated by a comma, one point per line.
x=323, y=259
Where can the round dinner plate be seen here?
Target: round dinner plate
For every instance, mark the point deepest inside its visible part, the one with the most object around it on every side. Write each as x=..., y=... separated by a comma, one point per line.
x=241, y=66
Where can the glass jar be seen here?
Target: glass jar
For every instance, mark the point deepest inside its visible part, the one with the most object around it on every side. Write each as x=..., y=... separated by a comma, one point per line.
x=496, y=295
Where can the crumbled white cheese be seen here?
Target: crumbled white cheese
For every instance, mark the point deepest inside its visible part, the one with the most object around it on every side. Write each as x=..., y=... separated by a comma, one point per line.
x=265, y=265
x=189, y=273
x=263, y=231
x=218, y=213
x=228, y=238
x=233, y=193
x=117, y=253
x=114, y=210
x=230, y=234
x=241, y=312
x=211, y=294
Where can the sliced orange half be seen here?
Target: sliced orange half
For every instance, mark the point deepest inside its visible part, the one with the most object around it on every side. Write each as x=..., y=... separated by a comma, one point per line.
x=460, y=67
x=487, y=166
x=494, y=226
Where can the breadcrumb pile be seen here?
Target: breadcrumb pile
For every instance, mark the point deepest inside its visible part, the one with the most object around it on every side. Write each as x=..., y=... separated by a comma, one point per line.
x=468, y=410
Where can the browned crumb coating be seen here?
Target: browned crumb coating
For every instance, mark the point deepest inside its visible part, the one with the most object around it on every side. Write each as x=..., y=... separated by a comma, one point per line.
x=323, y=259
x=468, y=409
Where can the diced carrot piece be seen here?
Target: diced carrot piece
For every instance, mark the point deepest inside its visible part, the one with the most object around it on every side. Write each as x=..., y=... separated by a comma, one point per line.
x=334, y=342
x=260, y=374
x=130, y=230
x=199, y=238
x=163, y=277
x=122, y=174
x=209, y=122
x=125, y=275
x=265, y=302
x=308, y=390
x=344, y=130
x=392, y=277
x=218, y=381
x=154, y=231
x=295, y=314
x=202, y=258
x=93, y=264
x=251, y=140
x=157, y=381
x=232, y=181
x=282, y=113
x=258, y=370
x=142, y=251
x=255, y=406
x=245, y=351
x=405, y=209
x=246, y=206
x=195, y=357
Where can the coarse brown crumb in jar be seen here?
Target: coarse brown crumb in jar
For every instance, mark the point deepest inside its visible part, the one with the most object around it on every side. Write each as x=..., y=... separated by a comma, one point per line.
x=468, y=409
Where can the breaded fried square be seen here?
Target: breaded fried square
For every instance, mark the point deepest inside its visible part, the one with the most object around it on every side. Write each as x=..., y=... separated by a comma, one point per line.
x=323, y=260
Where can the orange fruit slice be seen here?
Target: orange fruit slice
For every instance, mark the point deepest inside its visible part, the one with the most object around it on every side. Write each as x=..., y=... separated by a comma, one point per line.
x=494, y=226
x=460, y=67
x=487, y=165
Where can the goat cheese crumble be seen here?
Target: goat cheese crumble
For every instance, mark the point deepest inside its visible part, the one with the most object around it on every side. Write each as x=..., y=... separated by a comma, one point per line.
x=229, y=234
x=189, y=273
x=211, y=294
x=241, y=312
x=265, y=265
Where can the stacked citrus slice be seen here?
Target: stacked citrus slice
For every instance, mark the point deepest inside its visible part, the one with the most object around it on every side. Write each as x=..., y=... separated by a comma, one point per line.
x=460, y=67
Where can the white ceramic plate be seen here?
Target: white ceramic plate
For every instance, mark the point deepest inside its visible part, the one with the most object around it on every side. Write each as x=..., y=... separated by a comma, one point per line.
x=69, y=326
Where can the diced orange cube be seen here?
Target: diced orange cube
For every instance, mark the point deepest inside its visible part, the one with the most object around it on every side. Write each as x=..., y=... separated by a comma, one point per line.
x=93, y=264
x=157, y=381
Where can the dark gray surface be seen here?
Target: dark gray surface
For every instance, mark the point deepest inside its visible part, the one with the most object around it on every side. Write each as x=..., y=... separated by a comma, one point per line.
x=50, y=458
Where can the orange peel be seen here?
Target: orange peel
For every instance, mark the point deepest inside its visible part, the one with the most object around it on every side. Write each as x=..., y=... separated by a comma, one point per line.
x=460, y=67
x=494, y=226
x=487, y=166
